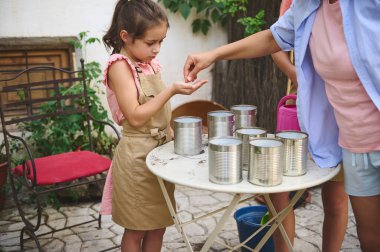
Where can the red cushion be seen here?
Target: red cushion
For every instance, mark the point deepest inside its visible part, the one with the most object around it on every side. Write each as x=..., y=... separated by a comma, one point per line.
x=66, y=167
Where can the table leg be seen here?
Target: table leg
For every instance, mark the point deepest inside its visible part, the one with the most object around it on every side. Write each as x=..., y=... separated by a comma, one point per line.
x=174, y=215
x=279, y=217
x=220, y=224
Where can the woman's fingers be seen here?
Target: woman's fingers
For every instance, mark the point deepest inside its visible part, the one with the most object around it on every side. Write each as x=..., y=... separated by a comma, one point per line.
x=188, y=68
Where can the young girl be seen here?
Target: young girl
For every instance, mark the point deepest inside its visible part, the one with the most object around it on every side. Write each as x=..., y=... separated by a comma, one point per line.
x=139, y=101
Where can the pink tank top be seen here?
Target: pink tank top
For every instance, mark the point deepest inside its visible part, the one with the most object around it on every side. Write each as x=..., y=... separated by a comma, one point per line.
x=357, y=117
x=147, y=69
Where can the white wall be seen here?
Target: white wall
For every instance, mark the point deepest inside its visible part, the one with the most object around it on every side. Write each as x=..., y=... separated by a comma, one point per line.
x=35, y=18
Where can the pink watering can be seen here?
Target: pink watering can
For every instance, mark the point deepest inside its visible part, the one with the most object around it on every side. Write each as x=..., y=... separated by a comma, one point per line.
x=287, y=114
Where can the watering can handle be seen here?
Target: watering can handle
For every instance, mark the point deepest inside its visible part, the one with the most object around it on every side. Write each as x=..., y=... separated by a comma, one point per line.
x=285, y=98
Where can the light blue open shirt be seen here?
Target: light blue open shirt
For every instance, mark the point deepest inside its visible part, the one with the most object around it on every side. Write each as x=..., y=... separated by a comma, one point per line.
x=361, y=25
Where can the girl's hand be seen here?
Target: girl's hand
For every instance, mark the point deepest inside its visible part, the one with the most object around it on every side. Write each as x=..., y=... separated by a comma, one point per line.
x=187, y=88
x=197, y=62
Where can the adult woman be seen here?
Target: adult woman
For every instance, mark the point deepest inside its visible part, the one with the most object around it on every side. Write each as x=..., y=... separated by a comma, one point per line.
x=338, y=74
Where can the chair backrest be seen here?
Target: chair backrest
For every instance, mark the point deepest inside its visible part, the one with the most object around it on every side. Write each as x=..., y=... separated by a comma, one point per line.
x=61, y=92
x=198, y=108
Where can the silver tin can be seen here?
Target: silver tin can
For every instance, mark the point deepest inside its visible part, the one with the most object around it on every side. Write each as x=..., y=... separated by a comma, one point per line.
x=247, y=134
x=265, y=161
x=187, y=135
x=245, y=115
x=224, y=160
x=220, y=123
x=295, y=152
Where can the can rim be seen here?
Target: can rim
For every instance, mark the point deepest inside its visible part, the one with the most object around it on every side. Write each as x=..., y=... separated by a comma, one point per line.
x=251, y=142
x=250, y=127
x=235, y=109
x=304, y=134
x=196, y=123
x=219, y=147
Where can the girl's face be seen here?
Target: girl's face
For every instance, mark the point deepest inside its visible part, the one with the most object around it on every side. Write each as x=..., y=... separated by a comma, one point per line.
x=146, y=48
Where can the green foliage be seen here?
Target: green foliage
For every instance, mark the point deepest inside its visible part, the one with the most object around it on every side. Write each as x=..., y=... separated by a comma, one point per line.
x=3, y=156
x=252, y=24
x=60, y=134
x=215, y=11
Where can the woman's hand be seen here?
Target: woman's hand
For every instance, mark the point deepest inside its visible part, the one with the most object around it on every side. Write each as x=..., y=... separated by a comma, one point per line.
x=187, y=88
x=197, y=62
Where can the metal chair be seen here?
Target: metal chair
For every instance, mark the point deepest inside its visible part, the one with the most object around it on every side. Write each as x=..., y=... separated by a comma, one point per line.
x=43, y=175
x=198, y=108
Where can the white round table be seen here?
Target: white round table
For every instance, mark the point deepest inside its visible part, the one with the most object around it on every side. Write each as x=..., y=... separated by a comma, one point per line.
x=192, y=171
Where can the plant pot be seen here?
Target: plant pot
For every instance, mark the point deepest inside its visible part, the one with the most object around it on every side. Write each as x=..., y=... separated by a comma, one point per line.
x=3, y=180
x=248, y=221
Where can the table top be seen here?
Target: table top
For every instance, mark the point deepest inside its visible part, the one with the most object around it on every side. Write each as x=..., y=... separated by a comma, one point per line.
x=193, y=171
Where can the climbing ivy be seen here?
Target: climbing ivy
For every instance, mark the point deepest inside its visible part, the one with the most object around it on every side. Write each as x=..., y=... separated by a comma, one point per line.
x=215, y=11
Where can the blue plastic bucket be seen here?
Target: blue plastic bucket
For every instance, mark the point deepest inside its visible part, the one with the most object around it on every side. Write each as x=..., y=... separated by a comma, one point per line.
x=248, y=221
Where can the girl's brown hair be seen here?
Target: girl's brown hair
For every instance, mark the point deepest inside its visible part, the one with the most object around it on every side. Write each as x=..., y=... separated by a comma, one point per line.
x=134, y=16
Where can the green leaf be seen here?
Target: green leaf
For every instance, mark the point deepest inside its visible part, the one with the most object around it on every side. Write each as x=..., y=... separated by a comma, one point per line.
x=196, y=25
x=92, y=40
x=215, y=15
x=205, y=26
x=185, y=10
x=167, y=3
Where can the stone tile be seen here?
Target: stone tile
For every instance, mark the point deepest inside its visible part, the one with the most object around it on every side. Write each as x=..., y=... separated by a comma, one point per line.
x=54, y=246
x=303, y=246
x=203, y=200
x=58, y=223
x=8, y=235
x=96, y=245
x=74, y=246
x=96, y=234
x=222, y=197
x=78, y=219
x=78, y=211
x=116, y=229
x=194, y=229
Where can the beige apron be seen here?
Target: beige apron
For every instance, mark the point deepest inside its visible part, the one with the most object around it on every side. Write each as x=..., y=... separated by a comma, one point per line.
x=137, y=199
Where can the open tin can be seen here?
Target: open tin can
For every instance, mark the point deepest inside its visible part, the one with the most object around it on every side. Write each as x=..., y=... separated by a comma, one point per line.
x=188, y=135
x=220, y=123
x=246, y=135
x=224, y=154
x=265, y=161
x=295, y=152
x=245, y=115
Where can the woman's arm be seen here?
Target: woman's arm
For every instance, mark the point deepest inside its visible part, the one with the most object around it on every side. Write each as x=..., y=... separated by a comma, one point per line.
x=256, y=45
x=123, y=85
x=282, y=60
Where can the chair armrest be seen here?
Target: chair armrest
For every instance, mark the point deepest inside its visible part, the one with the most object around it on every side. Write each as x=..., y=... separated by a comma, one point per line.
x=26, y=165
x=105, y=123
x=110, y=125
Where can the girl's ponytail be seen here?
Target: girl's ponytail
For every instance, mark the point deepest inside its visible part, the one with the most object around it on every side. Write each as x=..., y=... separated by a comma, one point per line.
x=134, y=16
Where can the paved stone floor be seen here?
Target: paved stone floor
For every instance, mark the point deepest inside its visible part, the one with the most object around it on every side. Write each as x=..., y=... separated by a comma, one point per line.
x=191, y=203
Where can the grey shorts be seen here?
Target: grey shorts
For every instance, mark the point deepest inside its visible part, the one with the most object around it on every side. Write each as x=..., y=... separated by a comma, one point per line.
x=361, y=173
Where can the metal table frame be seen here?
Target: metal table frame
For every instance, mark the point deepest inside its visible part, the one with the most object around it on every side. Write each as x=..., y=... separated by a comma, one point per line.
x=193, y=172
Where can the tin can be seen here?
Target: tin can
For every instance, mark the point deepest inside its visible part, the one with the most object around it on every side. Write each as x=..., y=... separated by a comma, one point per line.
x=220, y=123
x=295, y=152
x=187, y=135
x=245, y=115
x=224, y=155
x=246, y=135
x=265, y=161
